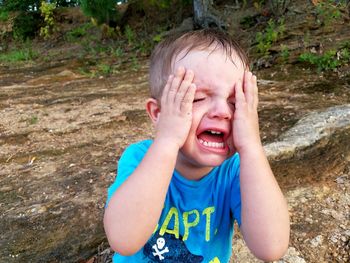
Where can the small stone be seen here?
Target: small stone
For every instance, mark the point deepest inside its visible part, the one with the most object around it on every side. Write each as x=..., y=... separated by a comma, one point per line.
x=334, y=239
x=337, y=215
x=309, y=220
x=317, y=241
x=303, y=200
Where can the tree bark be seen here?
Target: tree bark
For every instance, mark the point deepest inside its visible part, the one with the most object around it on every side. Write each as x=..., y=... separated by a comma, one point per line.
x=205, y=16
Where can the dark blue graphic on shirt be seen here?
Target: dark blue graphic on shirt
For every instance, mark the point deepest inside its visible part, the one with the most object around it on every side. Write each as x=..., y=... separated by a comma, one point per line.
x=168, y=249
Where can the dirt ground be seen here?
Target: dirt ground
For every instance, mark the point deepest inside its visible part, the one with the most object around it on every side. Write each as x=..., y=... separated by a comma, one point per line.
x=62, y=133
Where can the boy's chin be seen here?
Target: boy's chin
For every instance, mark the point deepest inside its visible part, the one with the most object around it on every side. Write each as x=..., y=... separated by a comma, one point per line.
x=209, y=161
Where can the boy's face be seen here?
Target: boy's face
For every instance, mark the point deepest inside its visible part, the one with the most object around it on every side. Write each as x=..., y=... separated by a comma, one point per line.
x=210, y=139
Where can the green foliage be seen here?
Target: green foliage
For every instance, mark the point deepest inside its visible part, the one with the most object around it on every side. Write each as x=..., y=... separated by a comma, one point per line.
x=328, y=11
x=78, y=32
x=135, y=65
x=65, y=3
x=161, y=4
x=278, y=7
x=47, y=12
x=129, y=34
x=118, y=52
x=327, y=61
x=25, y=54
x=270, y=35
x=33, y=120
x=258, y=4
x=104, y=69
x=102, y=11
x=330, y=60
x=157, y=38
x=248, y=22
x=4, y=15
x=285, y=53
x=20, y=5
x=26, y=25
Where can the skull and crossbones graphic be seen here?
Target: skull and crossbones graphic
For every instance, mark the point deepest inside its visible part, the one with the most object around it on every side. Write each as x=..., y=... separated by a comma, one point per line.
x=158, y=248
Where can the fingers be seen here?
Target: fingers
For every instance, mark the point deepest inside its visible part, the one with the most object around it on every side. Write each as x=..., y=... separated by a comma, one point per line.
x=184, y=86
x=239, y=95
x=179, y=91
x=178, y=78
x=187, y=102
x=248, y=92
x=247, y=87
x=166, y=89
x=255, y=88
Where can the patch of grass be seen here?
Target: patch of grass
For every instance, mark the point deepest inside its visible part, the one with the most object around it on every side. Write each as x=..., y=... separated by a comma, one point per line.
x=79, y=32
x=104, y=69
x=118, y=52
x=33, y=120
x=4, y=15
x=135, y=65
x=26, y=54
x=130, y=35
x=329, y=60
x=285, y=53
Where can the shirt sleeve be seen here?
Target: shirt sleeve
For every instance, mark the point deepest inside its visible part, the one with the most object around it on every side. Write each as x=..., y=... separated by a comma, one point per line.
x=235, y=189
x=127, y=164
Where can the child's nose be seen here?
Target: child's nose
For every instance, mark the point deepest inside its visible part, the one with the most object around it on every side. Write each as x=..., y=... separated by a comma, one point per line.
x=220, y=110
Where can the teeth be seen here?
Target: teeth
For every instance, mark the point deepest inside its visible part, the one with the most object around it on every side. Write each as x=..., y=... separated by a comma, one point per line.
x=214, y=132
x=212, y=144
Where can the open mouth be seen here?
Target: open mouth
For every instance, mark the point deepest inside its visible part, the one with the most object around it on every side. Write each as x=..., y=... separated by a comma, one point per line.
x=212, y=139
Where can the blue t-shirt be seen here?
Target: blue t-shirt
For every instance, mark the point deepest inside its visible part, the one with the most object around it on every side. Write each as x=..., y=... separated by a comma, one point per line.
x=196, y=224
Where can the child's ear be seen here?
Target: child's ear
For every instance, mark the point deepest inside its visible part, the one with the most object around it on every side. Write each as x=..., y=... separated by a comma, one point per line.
x=153, y=109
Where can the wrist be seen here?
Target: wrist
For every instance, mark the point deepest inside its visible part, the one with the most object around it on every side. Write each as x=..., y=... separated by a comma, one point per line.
x=167, y=143
x=251, y=149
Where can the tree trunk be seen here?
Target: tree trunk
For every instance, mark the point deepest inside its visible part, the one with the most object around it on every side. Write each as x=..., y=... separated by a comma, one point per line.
x=205, y=16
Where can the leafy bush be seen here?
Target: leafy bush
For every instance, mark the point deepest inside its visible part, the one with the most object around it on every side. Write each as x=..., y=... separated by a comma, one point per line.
x=65, y=3
x=21, y=5
x=103, y=11
x=272, y=33
x=328, y=11
x=323, y=62
x=26, y=25
x=47, y=12
x=4, y=15
x=78, y=32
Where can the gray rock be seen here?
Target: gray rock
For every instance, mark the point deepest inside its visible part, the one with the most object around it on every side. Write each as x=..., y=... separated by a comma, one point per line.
x=309, y=130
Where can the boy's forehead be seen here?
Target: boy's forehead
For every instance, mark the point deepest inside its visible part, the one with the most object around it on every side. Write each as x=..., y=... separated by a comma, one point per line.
x=197, y=56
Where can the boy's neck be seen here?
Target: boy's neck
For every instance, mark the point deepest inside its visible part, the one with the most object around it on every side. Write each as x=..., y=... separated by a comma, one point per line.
x=191, y=171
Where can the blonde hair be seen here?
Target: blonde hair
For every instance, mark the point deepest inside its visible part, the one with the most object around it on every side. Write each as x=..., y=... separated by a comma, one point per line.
x=206, y=39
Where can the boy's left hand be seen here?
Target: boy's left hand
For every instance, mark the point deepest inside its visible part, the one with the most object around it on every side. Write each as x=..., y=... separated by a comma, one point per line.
x=245, y=120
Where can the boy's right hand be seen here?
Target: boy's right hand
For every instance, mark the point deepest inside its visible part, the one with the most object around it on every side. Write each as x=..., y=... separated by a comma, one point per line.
x=175, y=117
